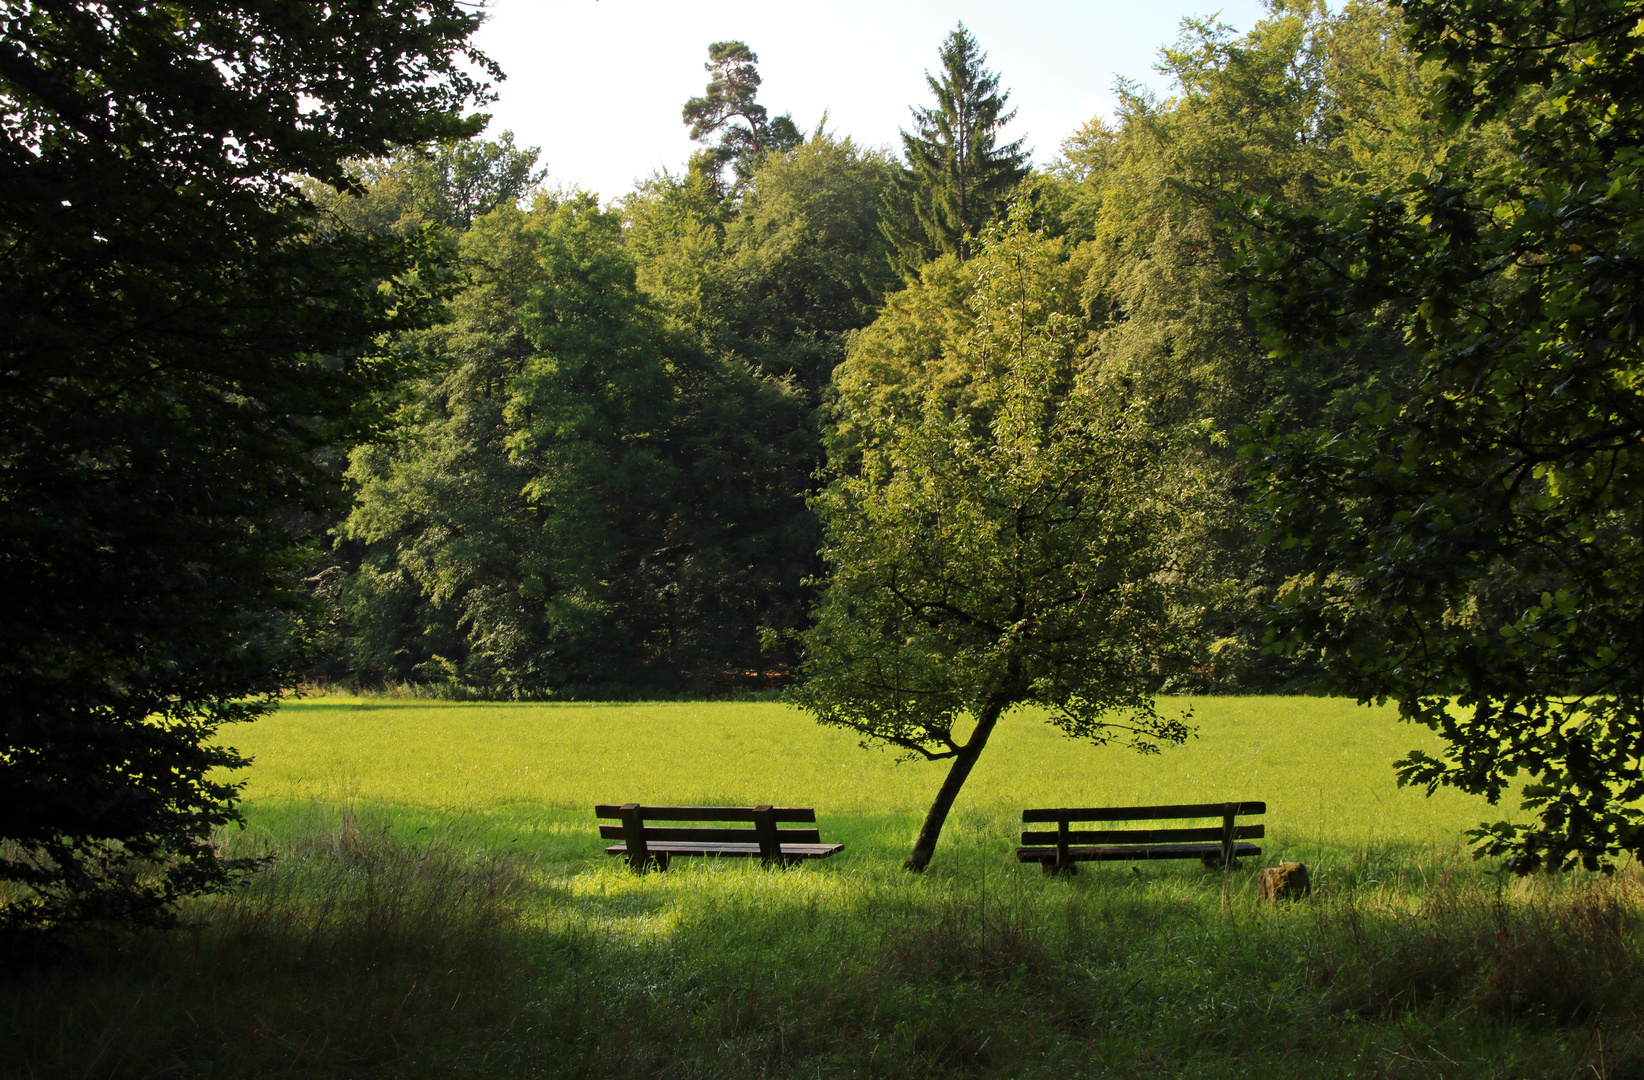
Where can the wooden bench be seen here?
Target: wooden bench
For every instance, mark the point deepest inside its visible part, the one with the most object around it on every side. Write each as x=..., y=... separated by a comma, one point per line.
x=648, y=845
x=1217, y=846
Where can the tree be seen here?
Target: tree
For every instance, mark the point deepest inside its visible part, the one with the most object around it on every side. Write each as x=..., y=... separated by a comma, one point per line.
x=586, y=503
x=998, y=526
x=448, y=183
x=959, y=177
x=1473, y=542
x=1297, y=109
x=440, y=540
x=782, y=282
x=730, y=98
x=182, y=343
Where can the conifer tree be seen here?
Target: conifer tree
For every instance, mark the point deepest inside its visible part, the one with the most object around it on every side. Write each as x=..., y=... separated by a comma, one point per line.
x=959, y=176
x=727, y=107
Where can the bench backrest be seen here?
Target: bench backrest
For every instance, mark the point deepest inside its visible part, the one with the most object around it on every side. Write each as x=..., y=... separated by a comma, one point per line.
x=1225, y=833
x=636, y=832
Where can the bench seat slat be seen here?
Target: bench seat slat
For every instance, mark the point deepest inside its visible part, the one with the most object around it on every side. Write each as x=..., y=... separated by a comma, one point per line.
x=675, y=847
x=710, y=835
x=1128, y=853
x=1145, y=836
x=708, y=813
x=1142, y=813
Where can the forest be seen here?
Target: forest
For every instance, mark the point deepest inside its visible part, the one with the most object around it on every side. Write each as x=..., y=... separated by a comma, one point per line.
x=603, y=481
x=1319, y=373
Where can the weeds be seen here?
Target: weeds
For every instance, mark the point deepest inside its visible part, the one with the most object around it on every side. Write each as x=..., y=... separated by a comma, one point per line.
x=354, y=950
x=366, y=952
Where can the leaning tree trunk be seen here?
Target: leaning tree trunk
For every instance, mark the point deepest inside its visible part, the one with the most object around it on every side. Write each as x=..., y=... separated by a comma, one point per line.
x=925, y=845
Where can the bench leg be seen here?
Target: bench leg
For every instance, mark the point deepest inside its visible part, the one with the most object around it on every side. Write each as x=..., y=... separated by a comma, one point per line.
x=652, y=860
x=1050, y=866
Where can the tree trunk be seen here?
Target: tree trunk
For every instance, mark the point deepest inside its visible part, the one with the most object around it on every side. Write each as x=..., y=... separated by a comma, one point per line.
x=963, y=761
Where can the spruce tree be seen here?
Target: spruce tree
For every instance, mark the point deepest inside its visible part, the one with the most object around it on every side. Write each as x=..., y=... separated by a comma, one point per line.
x=959, y=176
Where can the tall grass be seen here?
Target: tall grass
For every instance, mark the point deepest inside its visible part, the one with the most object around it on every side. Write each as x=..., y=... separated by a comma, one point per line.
x=457, y=917
x=352, y=948
x=371, y=949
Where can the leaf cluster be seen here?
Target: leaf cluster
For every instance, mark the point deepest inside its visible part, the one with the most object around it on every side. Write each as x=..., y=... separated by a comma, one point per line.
x=1473, y=544
x=1000, y=521
x=182, y=349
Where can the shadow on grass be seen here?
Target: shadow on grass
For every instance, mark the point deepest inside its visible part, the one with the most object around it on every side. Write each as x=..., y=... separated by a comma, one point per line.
x=390, y=944
x=353, y=950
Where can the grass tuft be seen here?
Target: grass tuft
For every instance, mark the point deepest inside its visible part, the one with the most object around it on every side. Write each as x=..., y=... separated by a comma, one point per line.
x=351, y=950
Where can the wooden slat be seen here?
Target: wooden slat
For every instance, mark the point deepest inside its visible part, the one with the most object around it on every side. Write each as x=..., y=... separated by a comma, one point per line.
x=1125, y=854
x=792, y=851
x=707, y=834
x=1140, y=836
x=707, y=813
x=1141, y=813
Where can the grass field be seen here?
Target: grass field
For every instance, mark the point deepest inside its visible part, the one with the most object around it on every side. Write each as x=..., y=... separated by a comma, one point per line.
x=534, y=771
x=440, y=906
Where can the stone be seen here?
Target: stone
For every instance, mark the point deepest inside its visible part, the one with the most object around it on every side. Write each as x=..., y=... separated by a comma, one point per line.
x=1286, y=881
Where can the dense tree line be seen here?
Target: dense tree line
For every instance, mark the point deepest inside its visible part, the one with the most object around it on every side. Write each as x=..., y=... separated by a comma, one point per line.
x=602, y=489
x=1320, y=371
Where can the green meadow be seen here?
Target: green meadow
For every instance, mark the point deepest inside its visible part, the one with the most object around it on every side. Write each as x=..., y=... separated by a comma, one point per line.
x=532, y=772
x=438, y=904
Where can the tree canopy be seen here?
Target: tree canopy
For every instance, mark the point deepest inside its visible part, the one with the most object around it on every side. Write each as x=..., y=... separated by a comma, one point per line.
x=182, y=345
x=1471, y=542
x=1000, y=527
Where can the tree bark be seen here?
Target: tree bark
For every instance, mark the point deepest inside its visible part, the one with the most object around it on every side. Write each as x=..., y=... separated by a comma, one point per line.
x=925, y=845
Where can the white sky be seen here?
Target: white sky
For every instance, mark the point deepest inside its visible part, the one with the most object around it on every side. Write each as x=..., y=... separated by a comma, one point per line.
x=599, y=84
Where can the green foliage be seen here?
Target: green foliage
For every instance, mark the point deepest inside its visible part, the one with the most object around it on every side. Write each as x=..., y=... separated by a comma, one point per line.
x=782, y=283
x=730, y=98
x=1305, y=108
x=959, y=177
x=440, y=532
x=602, y=490
x=181, y=351
x=447, y=183
x=1472, y=543
x=588, y=503
x=999, y=527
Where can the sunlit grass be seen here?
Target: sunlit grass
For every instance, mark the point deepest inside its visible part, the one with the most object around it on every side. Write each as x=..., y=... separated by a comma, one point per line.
x=440, y=904
x=532, y=772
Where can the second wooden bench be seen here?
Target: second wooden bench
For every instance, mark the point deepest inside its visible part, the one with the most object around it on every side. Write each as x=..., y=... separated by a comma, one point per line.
x=647, y=845
x=1216, y=846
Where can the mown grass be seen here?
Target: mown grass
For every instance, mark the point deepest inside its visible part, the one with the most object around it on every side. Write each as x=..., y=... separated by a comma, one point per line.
x=1322, y=765
x=440, y=906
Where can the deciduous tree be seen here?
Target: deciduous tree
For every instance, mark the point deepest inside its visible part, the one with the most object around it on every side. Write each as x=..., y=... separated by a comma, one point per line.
x=999, y=527
x=1474, y=541
x=180, y=345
